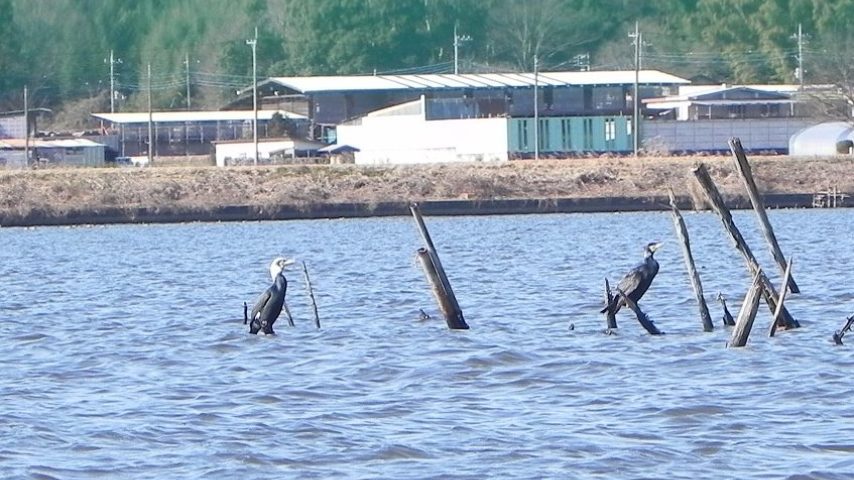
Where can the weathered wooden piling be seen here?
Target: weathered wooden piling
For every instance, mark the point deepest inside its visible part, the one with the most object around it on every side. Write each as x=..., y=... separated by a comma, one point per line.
x=682, y=232
x=727, y=318
x=769, y=293
x=453, y=314
x=288, y=314
x=776, y=320
x=311, y=295
x=610, y=316
x=643, y=319
x=747, y=314
x=837, y=336
x=743, y=168
x=445, y=303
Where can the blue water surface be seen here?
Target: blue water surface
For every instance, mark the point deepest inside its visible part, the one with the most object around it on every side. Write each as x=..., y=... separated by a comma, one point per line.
x=124, y=354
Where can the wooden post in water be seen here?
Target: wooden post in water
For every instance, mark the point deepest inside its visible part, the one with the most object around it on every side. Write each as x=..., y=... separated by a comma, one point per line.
x=837, y=336
x=769, y=293
x=743, y=167
x=610, y=316
x=776, y=321
x=311, y=295
x=682, y=232
x=455, y=321
x=747, y=314
x=728, y=320
x=445, y=303
x=288, y=314
x=643, y=319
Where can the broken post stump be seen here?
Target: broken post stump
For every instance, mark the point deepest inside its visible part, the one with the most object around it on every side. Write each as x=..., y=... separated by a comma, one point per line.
x=743, y=168
x=288, y=314
x=610, y=316
x=769, y=293
x=776, y=322
x=456, y=321
x=643, y=319
x=682, y=232
x=727, y=318
x=311, y=295
x=747, y=314
x=837, y=336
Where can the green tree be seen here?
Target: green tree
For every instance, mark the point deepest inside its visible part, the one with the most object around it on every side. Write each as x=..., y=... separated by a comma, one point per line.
x=11, y=74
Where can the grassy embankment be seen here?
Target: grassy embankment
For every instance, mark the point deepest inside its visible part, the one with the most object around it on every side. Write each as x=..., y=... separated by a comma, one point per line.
x=201, y=188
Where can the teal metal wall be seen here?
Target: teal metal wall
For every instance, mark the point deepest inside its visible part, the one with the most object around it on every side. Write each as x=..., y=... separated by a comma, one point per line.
x=571, y=134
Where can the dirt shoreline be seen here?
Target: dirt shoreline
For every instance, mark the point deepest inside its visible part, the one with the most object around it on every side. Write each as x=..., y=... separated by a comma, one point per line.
x=185, y=194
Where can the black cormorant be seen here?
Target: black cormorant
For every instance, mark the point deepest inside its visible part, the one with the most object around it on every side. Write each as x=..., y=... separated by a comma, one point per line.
x=637, y=281
x=269, y=304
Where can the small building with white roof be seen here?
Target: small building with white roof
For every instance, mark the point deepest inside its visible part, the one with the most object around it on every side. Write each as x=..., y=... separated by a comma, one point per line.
x=190, y=132
x=78, y=152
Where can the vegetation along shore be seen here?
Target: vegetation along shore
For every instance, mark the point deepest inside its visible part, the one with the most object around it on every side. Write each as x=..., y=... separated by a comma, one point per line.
x=191, y=193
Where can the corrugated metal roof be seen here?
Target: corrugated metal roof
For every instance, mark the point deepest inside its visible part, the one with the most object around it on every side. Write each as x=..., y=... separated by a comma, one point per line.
x=347, y=83
x=199, y=116
x=55, y=143
x=696, y=92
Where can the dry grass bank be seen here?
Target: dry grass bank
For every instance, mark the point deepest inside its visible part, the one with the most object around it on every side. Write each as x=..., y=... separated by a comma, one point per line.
x=63, y=190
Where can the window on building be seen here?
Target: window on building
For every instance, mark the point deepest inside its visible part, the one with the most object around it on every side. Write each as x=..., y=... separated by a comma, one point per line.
x=565, y=135
x=543, y=134
x=522, y=134
x=588, y=134
x=610, y=133
x=610, y=129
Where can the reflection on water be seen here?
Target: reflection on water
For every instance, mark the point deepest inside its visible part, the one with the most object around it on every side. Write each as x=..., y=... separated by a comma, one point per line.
x=125, y=355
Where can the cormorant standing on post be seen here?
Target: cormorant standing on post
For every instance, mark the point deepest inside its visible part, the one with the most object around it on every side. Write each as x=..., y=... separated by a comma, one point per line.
x=270, y=303
x=637, y=281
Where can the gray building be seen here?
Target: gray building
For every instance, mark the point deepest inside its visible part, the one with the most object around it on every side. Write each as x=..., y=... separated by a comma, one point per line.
x=328, y=101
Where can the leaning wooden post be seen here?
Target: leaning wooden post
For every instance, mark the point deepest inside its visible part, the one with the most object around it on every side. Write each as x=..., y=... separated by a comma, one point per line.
x=776, y=321
x=769, y=293
x=456, y=321
x=837, y=336
x=728, y=320
x=682, y=232
x=288, y=314
x=747, y=314
x=445, y=304
x=643, y=319
x=610, y=316
x=311, y=295
x=743, y=167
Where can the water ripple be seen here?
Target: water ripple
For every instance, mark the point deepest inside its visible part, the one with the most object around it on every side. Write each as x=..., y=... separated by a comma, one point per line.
x=137, y=365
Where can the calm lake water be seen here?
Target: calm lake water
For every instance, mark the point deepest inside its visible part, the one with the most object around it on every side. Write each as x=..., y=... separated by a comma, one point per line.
x=124, y=353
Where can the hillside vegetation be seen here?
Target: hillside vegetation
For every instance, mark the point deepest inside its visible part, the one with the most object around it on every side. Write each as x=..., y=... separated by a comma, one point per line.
x=60, y=49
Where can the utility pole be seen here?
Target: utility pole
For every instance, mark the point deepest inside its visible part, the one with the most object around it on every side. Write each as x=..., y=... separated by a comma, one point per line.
x=186, y=124
x=458, y=40
x=536, y=109
x=26, y=129
x=253, y=43
x=150, y=123
x=112, y=84
x=800, y=58
x=113, y=60
x=187, y=63
x=635, y=95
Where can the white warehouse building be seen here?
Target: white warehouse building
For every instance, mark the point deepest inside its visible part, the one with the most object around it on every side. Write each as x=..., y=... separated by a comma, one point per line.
x=408, y=133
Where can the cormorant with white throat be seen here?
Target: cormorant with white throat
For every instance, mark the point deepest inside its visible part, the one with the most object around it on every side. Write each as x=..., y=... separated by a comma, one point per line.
x=269, y=305
x=637, y=281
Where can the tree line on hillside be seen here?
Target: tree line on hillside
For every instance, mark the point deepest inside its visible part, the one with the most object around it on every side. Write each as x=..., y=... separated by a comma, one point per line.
x=60, y=49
